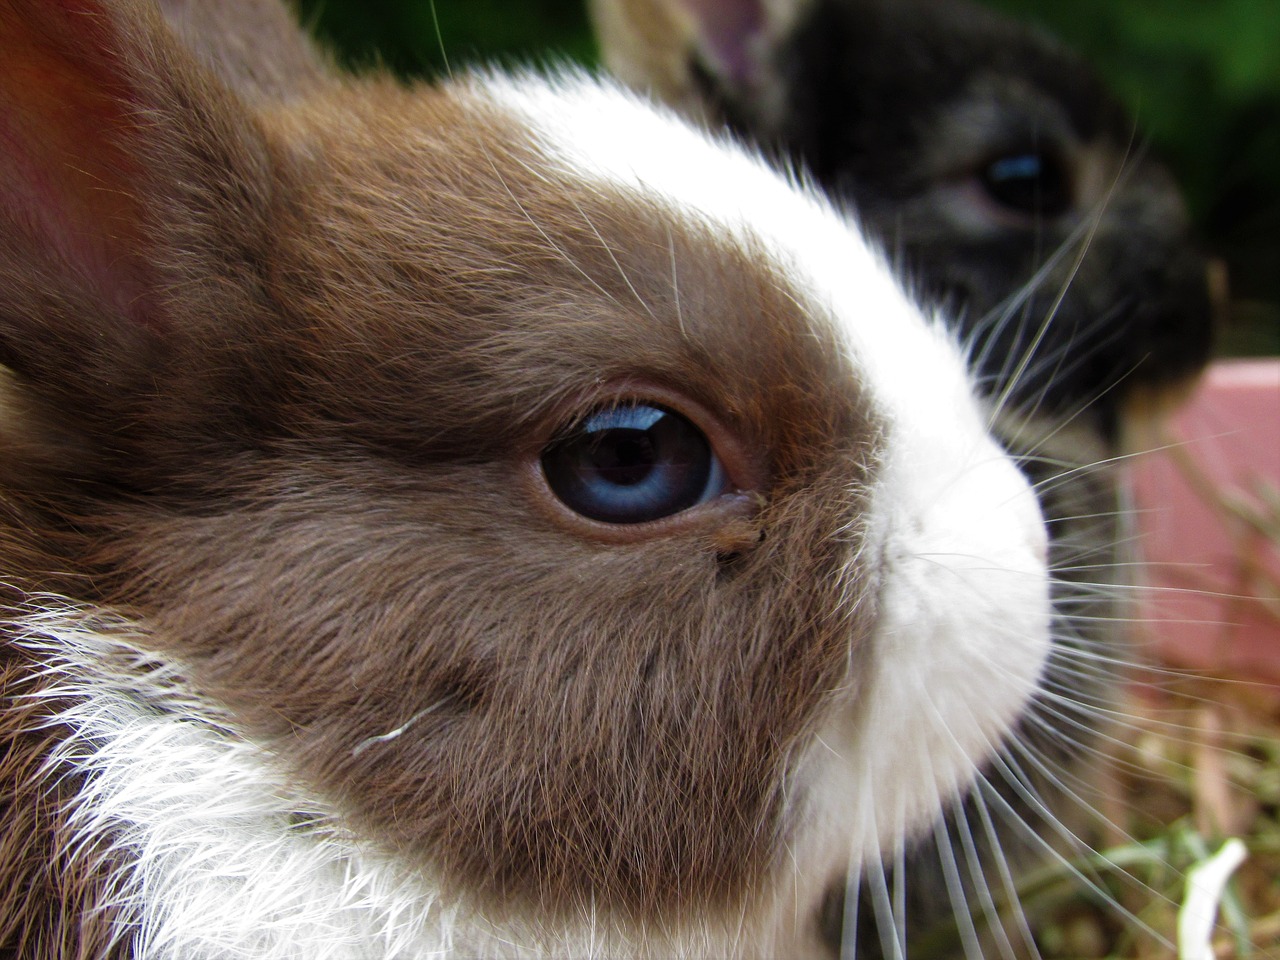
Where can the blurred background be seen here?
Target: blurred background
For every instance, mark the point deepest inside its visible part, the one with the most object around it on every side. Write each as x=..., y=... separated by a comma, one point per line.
x=1201, y=76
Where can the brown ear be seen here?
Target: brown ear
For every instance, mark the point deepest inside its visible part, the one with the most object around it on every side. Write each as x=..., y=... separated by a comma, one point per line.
x=659, y=44
x=256, y=46
x=133, y=180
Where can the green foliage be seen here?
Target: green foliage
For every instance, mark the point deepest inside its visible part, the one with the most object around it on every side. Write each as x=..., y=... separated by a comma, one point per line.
x=429, y=37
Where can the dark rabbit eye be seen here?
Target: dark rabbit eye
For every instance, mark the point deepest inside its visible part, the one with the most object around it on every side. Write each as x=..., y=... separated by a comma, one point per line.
x=633, y=463
x=1030, y=182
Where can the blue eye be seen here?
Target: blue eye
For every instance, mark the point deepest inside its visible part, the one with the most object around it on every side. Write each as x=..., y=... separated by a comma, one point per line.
x=1028, y=182
x=633, y=463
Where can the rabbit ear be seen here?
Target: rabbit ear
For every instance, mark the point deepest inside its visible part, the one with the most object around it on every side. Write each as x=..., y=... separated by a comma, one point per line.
x=659, y=44
x=133, y=182
x=256, y=46
x=67, y=102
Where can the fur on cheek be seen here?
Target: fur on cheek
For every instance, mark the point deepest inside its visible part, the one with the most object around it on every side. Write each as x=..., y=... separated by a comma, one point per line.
x=218, y=855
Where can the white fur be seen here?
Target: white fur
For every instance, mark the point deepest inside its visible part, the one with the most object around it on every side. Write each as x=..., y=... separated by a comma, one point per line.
x=217, y=862
x=963, y=629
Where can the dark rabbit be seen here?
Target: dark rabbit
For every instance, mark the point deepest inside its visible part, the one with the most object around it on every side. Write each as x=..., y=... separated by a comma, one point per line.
x=492, y=519
x=998, y=173
x=1009, y=187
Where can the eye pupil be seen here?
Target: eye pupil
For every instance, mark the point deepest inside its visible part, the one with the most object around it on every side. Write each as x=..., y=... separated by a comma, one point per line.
x=623, y=457
x=1029, y=182
x=632, y=463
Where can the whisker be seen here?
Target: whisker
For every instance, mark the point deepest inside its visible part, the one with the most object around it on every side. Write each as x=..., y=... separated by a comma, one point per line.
x=618, y=266
x=675, y=283
x=532, y=221
x=1006, y=875
x=435, y=25
x=1075, y=868
x=961, y=909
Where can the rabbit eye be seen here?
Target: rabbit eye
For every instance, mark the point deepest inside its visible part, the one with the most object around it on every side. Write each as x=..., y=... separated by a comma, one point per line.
x=633, y=463
x=1029, y=182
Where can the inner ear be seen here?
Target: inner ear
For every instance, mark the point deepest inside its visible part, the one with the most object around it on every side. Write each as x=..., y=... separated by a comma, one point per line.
x=134, y=178
x=135, y=223
x=67, y=106
x=116, y=145
x=730, y=35
x=663, y=45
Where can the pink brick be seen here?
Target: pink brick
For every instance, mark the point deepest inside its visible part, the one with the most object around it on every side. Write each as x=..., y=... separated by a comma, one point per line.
x=1212, y=600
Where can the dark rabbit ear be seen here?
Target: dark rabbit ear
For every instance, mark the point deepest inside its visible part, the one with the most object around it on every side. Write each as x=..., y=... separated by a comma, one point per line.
x=662, y=45
x=256, y=46
x=133, y=205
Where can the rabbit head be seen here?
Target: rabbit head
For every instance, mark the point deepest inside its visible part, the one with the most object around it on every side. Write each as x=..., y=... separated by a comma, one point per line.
x=492, y=518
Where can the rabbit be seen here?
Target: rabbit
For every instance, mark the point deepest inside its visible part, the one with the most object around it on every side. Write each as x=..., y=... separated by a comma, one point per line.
x=991, y=162
x=494, y=518
x=1006, y=186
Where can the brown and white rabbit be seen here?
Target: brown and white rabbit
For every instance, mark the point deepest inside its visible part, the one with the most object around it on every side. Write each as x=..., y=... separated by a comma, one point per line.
x=492, y=519
x=1005, y=183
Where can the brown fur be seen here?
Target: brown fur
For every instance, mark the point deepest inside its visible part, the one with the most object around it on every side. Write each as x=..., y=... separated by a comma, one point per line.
x=254, y=45
x=52, y=895
x=295, y=447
